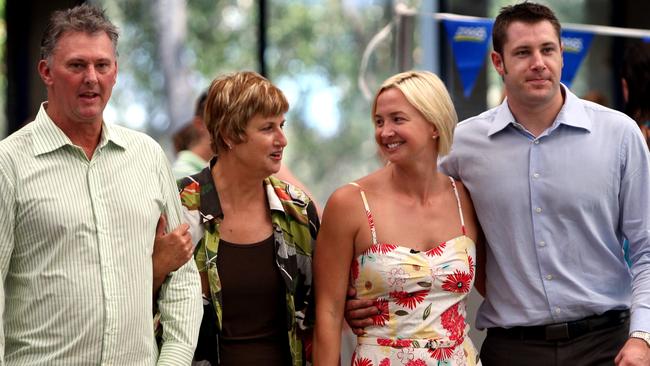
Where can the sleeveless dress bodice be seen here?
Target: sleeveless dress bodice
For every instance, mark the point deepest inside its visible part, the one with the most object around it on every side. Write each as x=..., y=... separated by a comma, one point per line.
x=421, y=296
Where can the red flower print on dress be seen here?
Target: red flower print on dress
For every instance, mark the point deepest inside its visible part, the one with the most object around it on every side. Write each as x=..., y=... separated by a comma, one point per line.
x=383, y=248
x=383, y=316
x=434, y=252
x=401, y=343
x=418, y=362
x=354, y=269
x=409, y=299
x=397, y=343
x=458, y=281
x=385, y=362
x=454, y=323
x=386, y=342
x=441, y=353
x=362, y=362
x=470, y=263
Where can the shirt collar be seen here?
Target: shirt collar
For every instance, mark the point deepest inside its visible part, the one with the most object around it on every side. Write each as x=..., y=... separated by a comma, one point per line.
x=572, y=114
x=49, y=137
x=209, y=198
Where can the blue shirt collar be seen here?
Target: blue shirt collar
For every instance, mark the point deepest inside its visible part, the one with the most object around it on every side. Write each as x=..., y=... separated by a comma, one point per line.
x=572, y=114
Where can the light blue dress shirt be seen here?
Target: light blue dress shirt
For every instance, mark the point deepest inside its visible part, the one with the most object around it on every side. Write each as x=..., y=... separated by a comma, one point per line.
x=555, y=210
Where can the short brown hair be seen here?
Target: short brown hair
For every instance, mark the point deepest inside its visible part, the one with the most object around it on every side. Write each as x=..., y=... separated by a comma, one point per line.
x=233, y=100
x=525, y=12
x=82, y=18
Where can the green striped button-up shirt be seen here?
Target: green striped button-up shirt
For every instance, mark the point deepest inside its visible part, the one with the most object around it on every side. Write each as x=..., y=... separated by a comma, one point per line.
x=76, y=238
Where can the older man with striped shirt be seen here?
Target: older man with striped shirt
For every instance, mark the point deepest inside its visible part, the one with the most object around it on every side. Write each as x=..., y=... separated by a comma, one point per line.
x=79, y=204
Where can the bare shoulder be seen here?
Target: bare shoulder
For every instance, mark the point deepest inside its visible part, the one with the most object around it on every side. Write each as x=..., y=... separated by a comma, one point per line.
x=344, y=198
x=375, y=181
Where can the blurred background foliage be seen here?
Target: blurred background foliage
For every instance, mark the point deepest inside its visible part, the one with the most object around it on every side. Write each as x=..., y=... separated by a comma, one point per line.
x=170, y=50
x=313, y=53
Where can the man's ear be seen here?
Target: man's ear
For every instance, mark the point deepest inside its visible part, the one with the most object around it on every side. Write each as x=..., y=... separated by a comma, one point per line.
x=115, y=74
x=45, y=72
x=497, y=61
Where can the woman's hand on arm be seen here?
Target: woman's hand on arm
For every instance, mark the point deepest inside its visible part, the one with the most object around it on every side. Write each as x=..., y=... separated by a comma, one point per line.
x=170, y=252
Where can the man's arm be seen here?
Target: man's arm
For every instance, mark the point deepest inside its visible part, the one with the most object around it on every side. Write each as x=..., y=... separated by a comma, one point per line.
x=7, y=222
x=634, y=201
x=179, y=300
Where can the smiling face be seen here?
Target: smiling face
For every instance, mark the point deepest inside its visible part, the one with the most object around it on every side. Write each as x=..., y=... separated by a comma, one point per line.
x=261, y=150
x=401, y=132
x=79, y=76
x=531, y=64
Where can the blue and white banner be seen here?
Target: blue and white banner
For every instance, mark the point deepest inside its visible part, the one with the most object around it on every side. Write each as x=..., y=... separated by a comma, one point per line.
x=576, y=45
x=469, y=43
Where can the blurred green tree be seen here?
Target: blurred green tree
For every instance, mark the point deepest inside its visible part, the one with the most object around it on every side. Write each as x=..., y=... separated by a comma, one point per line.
x=313, y=53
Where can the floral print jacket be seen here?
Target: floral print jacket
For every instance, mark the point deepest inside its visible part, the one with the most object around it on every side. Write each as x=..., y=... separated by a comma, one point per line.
x=295, y=225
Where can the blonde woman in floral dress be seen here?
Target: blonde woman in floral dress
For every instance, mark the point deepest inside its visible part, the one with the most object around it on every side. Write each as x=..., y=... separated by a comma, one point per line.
x=404, y=235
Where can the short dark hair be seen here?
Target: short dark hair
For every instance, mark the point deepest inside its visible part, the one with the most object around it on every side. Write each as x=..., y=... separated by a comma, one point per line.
x=524, y=12
x=199, y=109
x=82, y=18
x=184, y=137
x=636, y=72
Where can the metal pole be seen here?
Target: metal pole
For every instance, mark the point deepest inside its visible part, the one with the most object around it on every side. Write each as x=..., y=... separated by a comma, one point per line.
x=261, y=41
x=429, y=37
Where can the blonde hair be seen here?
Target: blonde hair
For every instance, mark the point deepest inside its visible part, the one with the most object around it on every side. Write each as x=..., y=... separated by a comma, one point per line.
x=233, y=100
x=426, y=92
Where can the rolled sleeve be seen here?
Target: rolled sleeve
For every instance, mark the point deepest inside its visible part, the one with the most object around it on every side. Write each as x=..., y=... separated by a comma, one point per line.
x=179, y=301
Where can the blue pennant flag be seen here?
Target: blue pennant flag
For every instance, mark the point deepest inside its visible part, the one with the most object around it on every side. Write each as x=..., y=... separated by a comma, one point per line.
x=469, y=42
x=576, y=45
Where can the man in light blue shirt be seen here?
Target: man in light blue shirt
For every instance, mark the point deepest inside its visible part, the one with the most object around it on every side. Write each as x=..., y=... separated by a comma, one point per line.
x=557, y=183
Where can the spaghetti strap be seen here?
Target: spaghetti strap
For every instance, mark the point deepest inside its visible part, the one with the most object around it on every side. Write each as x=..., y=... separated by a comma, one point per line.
x=460, y=210
x=371, y=221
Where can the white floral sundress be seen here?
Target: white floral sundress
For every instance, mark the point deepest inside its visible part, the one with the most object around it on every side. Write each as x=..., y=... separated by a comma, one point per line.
x=421, y=297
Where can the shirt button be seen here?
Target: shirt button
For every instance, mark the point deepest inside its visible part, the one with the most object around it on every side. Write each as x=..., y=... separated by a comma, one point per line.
x=536, y=142
x=536, y=175
x=542, y=243
x=558, y=310
x=549, y=277
x=538, y=209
